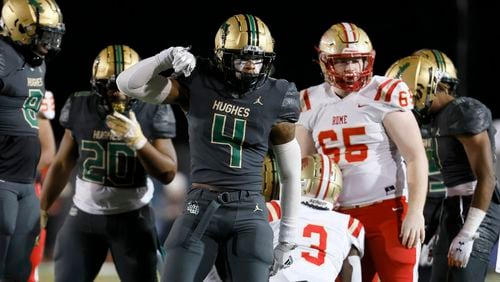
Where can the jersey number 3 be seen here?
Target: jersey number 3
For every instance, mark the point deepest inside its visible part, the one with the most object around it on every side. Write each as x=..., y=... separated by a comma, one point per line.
x=319, y=257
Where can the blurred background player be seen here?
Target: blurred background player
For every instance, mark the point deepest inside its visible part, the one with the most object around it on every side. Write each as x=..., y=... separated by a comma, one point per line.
x=437, y=190
x=233, y=109
x=331, y=243
x=367, y=128
x=174, y=196
x=31, y=32
x=463, y=134
x=114, y=141
x=48, y=151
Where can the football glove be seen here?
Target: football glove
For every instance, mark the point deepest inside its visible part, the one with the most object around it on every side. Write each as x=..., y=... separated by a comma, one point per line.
x=178, y=58
x=282, y=257
x=126, y=129
x=47, y=109
x=460, y=249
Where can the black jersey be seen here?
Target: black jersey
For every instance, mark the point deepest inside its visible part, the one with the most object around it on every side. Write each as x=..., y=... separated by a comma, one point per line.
x=462, y=116
x=102, y=159
x=229, y=132
x=21, y=91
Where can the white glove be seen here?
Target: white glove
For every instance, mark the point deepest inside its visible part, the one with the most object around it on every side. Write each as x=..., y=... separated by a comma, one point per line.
x=44, y=217
x=460, y=249
x=47, y=109
x=128, y=130
x=426, y=254
x=178, y=58
x=282, y=257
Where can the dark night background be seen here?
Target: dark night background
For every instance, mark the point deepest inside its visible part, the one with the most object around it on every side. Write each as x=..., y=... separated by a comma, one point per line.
x=464, y=30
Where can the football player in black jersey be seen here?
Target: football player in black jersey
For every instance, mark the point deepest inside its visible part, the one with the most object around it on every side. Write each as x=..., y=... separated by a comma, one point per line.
x=463, y=136
x=30, y=31
x=114, y=141
x=233, y=110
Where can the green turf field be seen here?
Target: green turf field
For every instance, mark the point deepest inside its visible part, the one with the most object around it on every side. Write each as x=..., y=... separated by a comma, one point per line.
x=108, y=274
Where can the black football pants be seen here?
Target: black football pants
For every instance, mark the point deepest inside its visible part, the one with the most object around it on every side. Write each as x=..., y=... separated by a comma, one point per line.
x=235, y=223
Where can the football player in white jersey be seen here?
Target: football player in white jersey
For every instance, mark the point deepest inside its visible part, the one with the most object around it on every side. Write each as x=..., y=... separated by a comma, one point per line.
x=364, y=123
x=331, y=243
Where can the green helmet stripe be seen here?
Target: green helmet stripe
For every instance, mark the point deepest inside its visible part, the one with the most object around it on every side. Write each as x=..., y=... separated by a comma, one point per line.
x=119, y=63
x=439, y=60
x=252, y=30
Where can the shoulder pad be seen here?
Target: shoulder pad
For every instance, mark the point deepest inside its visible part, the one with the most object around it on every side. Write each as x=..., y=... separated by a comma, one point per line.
x=465, y=115
x=312, y=97
x=6, y=60
x=390, y=92
x=274, y=210
x=164, y=123
x=66, y=109
x=354, y=226
x=64, y=116
x=290, y=108
x=357, y=233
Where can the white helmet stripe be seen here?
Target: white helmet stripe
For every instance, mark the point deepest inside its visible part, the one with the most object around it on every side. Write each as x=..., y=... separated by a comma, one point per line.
x=350, y=35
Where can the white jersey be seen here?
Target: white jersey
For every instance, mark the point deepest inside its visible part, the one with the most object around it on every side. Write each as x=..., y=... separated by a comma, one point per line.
x=350, y=131
x=325, y=241
x=312, y=98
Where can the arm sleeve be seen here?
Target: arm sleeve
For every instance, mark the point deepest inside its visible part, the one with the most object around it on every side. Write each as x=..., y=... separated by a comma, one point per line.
x=289, y=163
x=142, y=81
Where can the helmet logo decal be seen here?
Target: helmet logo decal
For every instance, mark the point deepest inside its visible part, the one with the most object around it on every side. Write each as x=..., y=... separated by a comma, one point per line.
x=37, y=5
x=225, y=31
x=401, y=70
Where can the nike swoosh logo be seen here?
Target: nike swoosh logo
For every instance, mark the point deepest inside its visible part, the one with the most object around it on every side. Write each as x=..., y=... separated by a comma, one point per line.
x=361, y=106
x=397, y=209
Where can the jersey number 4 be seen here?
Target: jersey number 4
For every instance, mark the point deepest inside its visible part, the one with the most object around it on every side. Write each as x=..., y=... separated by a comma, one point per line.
x=353, y=152
x=235, y=141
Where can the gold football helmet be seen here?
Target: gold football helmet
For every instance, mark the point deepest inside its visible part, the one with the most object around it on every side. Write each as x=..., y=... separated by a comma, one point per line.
x=444, y=63
x=110, y=62
x=33, y=22
x=341, y=42
x=321, y=178
x=244, y=37
x=422, y=77
x=271, y=184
